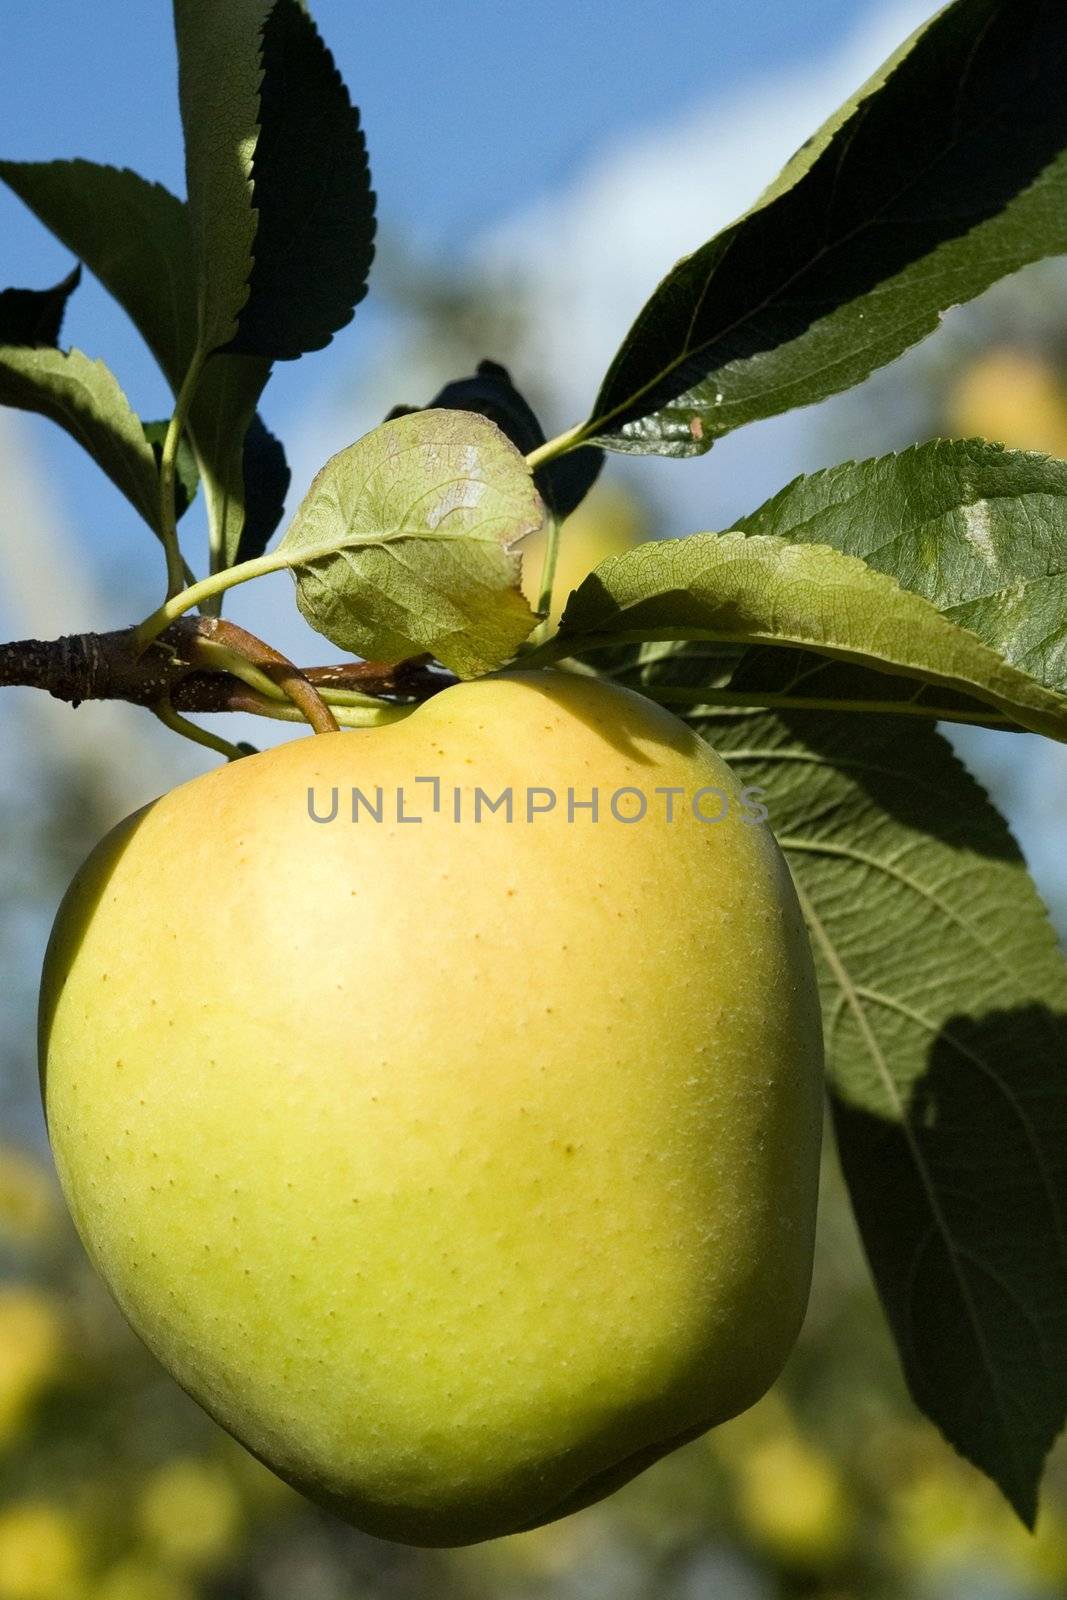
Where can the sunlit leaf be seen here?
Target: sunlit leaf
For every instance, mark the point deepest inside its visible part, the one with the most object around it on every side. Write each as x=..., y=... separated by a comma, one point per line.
x=84, y=398
x=136, y=237
x=563, y=482
x=979, y=530
x=764, y=590
x=405, y=542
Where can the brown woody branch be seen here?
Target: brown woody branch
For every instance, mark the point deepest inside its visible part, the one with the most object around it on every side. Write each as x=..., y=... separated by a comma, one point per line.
x=106, y=666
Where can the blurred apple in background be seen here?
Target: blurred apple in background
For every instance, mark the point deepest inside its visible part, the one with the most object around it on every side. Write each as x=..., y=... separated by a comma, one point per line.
x=1014, y=396
x=30, y=1208
x=32, y=1349
x=40, y=1552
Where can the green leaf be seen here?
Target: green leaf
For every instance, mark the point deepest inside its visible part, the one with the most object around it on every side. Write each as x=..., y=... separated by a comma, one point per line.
x=219, y=73
x=187, y=478
x=136, y=237
x=219, y=424
x=266, y=478
x=404, y=543
x=945, y=174
x=782, y=679
x=563, y=482
x=133, y=235
x=980, y=531
x=227, y=49
x=35, y=316
x=945, y=1006
x=314, y=240
x=763, y=590
x=219, y=76
x=84, y=397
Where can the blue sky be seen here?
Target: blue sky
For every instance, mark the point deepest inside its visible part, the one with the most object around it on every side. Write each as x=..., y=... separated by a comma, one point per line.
x=470, y=109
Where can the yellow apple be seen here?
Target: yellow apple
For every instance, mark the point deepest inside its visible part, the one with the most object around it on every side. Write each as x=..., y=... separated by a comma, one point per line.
x=460, y=1168
x=189, y=1513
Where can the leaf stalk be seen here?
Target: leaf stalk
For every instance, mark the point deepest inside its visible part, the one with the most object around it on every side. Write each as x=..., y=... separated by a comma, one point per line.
x=168, y=472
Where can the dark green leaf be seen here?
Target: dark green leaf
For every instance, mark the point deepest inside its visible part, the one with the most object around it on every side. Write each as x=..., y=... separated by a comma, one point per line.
x=267, y=477
x=945, y=174
x=187, y=477
x=222, y=414
x=979, y=530
x=782, y=679
x=314, y=239
x=405, y=543
x=136, y=237
x=35, y=316
x=758, y=589
x=564, y=482
x=945, y=1006
x=945, y=1001
x=219, y=76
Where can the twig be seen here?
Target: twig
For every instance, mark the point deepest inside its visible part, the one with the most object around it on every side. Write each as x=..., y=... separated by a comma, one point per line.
x=107, y=666
x=236, y=646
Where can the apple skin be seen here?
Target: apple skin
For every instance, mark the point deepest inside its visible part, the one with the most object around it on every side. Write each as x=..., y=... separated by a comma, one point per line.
x=459, y=1170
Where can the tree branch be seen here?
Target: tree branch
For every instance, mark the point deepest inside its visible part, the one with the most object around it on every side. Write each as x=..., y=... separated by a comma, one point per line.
x=106, y=666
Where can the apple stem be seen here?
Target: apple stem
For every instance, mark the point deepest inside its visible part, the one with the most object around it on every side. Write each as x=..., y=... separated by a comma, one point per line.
x=226, y=647
x=189, y=730
x=168, y=464
x=555, y=447
x=548, y=567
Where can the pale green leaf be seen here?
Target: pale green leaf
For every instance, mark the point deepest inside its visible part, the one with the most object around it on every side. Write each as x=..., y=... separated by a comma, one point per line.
x=222, y=414
x=980, y=531
x=186, y=473
x=765, y=590
x=405, y=543
x=136, y=237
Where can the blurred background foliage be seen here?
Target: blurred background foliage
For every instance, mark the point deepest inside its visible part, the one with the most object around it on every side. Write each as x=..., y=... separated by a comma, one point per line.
x=113, y=1484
